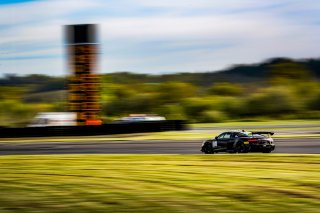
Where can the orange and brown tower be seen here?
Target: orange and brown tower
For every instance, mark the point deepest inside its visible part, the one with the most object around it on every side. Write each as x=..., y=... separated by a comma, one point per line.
x=83, y=85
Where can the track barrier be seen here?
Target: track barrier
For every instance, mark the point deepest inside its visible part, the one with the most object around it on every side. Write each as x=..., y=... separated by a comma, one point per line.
x=104, y=129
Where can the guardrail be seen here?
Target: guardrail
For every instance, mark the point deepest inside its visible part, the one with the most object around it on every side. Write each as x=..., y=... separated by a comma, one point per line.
x=105, y=129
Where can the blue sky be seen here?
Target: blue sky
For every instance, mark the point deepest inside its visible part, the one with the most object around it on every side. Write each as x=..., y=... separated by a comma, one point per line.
x=152, y=36
x=13, y=1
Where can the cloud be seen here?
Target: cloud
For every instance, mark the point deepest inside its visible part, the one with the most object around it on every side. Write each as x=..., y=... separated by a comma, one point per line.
x=159, y=36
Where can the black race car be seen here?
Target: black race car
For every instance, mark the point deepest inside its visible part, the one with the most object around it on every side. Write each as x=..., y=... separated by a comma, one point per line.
x=239, y=141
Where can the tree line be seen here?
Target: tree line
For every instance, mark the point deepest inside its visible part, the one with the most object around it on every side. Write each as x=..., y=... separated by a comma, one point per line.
x=286, y=89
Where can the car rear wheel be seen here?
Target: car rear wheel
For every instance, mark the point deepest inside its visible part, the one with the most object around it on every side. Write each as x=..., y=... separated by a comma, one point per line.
x=240, y=148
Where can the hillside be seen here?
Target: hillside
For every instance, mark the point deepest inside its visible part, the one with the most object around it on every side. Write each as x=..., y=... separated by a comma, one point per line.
x=236, y=74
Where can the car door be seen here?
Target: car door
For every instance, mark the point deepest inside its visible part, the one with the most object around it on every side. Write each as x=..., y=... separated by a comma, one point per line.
x=228, y=140
x=224, y=139
x=219, y=139
x=231, y=140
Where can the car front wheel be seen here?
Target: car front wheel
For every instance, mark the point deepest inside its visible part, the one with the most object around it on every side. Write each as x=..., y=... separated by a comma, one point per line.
x=207, y=148
x=267, y=151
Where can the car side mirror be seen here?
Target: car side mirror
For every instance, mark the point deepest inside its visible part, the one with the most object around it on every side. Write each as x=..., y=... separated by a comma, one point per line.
x=216, y=137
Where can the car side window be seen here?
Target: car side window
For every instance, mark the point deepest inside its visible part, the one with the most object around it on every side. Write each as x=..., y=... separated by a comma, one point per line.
x=227, y=136
x=221, y=136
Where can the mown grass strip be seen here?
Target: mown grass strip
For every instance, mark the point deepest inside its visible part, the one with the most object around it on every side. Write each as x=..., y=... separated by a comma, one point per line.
x=160, y=183
x=270, y=123
x=174, y=135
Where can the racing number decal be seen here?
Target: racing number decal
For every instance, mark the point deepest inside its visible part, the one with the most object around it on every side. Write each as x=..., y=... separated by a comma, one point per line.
x=214, y=144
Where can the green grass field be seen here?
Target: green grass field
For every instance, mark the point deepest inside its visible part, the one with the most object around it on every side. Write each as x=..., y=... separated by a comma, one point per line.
x=160, y=183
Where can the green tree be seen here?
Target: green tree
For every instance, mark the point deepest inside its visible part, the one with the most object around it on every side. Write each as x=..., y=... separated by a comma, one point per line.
x=195, y=107
x=11, y=93
x=171, y=111
x=271, y=102
x=234, y=107
x=123, y=91
x=287, y=73
x=212, y=116
x=175, y=92
x=15, y=113
x=314, y=102
x=140, y=103
x=226, y=89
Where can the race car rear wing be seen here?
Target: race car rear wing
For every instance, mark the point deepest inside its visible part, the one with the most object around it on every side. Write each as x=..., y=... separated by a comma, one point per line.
x=263, y=132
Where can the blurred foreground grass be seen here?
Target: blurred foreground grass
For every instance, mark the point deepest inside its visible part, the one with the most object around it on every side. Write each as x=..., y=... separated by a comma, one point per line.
x=160, y=183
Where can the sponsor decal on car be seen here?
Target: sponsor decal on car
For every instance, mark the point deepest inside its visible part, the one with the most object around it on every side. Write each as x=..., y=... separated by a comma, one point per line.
x=214, y=143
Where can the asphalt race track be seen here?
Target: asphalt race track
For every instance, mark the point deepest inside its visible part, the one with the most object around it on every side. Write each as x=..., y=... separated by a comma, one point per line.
x=301, y=145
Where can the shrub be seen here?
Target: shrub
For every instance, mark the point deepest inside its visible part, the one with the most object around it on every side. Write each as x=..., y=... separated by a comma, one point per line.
x=314, y=102
x=194, y=107
x=175, y=92
x=136, y=104
x=271, y=102
x=212, y=116
x=225, y=88
x=172, y=112
x=232, y=106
